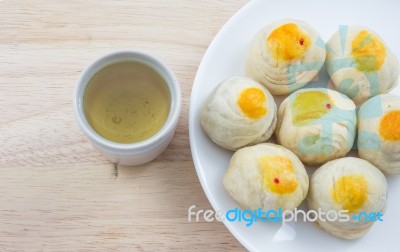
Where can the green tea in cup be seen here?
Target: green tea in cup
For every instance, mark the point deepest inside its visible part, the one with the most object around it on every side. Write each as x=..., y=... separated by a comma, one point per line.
x=127, y=102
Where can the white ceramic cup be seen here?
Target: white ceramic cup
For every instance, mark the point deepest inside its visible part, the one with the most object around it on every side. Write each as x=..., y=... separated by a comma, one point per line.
x=134, y=153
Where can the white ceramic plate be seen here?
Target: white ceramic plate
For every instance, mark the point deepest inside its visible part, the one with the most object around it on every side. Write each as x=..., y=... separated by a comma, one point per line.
x=225, y=58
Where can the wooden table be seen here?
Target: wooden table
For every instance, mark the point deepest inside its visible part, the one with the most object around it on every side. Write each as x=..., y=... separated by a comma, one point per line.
x=57, y=192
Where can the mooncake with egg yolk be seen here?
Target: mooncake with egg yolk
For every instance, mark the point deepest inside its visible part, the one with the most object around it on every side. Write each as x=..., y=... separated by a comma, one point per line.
x=360, y=63
x=239, y=112
x=266, y=176
x=352, y=186
x=379, y=132
x=285, y=55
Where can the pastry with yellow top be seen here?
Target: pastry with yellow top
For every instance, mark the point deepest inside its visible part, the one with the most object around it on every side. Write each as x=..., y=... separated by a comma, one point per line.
x=347, y=191
x=317, y=124
x=379, y=132
x=285, y=55
x=266, y=176
x=360, y=63
x=239, y=112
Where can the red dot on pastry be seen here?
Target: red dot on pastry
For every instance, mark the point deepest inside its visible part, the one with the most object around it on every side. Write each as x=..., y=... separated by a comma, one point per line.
x=301, y=41
x=328, y=106
x=276, y=180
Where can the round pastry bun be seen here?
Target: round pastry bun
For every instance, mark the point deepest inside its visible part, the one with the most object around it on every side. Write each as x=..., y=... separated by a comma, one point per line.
x=240, y=112
x=360, y=64
x=285, y=55
x=379, y=132
x=266, y=176
x=317, y=124
x=352, y=185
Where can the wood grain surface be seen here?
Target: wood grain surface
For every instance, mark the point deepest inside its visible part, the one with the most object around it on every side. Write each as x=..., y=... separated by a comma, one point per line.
x=56, y=192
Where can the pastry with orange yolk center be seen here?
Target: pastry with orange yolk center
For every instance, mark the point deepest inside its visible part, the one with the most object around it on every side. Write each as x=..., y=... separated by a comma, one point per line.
x=317, y=124
x=285, y=55
x=239, y=112
x=266, y=176
x=360, y=63
x=379, y=132
x=349, y=188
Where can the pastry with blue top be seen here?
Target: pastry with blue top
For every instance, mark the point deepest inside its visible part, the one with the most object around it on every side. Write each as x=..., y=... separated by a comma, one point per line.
x=360, y=63
x=379, y=132
x=317, y=124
